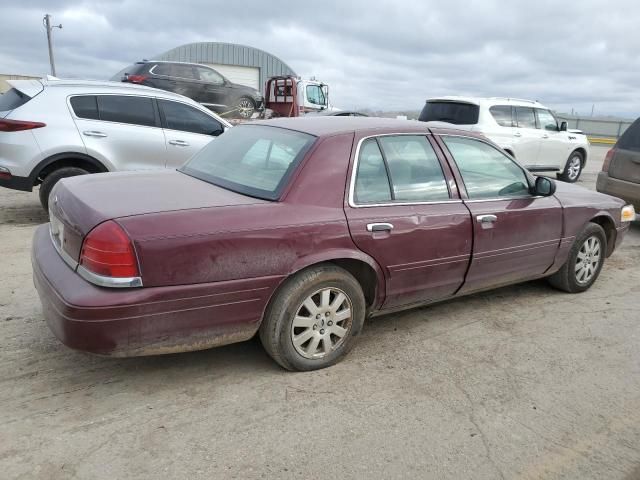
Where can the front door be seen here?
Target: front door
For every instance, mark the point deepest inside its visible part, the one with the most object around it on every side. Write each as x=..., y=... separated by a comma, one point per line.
x=213, y=91
x=402, y=213
x=554, y=145
x=516, y=234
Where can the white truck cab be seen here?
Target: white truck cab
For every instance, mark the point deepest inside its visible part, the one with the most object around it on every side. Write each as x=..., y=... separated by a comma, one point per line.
x=526, y=129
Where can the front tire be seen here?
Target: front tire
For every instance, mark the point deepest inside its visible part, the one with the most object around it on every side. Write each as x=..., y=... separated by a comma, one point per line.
x=54, y=177
x=245, y=108
x=585, y=261
x=573, y=168
x=313, y=320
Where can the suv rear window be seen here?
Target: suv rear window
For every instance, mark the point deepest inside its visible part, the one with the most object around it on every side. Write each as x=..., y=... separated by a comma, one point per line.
x=630, y=139
x=12, y=99
x=458, y=113
x=85, y=107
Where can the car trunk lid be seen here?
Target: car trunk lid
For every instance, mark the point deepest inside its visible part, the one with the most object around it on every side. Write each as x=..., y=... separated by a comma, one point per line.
x=78, y=204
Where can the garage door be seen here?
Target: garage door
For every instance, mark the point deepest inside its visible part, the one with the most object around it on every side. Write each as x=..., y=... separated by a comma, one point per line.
x=249, y=76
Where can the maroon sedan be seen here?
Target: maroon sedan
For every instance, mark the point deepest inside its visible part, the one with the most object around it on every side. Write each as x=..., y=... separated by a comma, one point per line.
x=300, y=229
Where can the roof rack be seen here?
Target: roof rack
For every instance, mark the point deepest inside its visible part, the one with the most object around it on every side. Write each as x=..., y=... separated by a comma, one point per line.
x=514, y=99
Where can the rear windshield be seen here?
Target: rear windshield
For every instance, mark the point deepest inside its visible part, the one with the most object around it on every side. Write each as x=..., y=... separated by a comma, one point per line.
x=12, y=99
x=254, y=160
x=630, y=139
x=458, y=113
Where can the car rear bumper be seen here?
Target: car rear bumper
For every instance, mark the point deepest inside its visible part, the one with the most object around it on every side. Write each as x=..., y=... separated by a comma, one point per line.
x=627, y=191
x=16, y=183
x=143, y=321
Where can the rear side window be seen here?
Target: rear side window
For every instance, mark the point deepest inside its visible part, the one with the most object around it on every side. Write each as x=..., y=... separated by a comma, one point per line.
x=401, y=168
x=630, y=139
x=525, y=117
x=502, y=115
x=184, y=118
x=162, y=69
x=458, y=113
x=127, y=109
x=85, y=107
x=12, y=99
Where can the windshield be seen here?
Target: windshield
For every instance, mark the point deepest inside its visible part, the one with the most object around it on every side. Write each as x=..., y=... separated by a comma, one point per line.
x=458, y=113
x=254, y=160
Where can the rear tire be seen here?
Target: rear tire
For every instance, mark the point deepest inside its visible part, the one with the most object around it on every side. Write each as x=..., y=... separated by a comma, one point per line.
x=573, y=168
x=54, y=177
x=313, y=319
x=584, y=263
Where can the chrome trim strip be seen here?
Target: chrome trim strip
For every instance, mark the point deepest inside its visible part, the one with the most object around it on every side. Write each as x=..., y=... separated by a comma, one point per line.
x=102, y=281
x=502, y=199
x=213, y=104
x=352, y=180
x=65, y=256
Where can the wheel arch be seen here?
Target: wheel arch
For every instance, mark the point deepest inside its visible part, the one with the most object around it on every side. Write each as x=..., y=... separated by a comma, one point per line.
x=609, y=226
x=582, y=151
x=65, y=159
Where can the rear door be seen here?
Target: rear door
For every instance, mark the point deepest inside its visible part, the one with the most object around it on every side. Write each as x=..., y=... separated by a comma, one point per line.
x=625, y=164
x=186, y=130
x=516, y=234
x=527, y=137
x=404, y=211
x=120, y=130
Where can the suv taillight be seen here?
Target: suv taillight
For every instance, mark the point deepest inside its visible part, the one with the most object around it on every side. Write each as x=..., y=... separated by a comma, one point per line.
x=136, y=78
x=19, y=125
x=107, y=251
x=607, y=159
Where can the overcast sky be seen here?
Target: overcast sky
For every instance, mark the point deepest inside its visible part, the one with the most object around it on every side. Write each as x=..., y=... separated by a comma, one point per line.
x=374, y=54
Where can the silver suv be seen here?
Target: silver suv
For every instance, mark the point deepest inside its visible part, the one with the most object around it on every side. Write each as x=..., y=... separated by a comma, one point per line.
x=52, y=129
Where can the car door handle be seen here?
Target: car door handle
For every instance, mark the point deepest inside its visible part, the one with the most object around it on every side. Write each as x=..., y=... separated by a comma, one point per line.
x=517, y=134
x=486, y=218
x=545, y=136
x=379, y=227
x=94, y=133
x=179, y=143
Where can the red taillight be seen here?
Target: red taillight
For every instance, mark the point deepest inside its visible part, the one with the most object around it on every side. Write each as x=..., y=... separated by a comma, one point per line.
x=136, y=78
x=19, y=125
x=107, y=251
x=607, y=159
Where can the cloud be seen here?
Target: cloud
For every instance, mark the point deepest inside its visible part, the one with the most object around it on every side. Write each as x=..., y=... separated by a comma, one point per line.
x=374, y=54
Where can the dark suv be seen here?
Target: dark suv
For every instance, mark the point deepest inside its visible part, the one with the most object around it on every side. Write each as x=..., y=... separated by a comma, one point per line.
x=620, y=175
x=198, y=82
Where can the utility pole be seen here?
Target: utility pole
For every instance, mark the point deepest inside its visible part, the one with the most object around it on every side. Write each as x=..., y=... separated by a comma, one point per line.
x=47, y=24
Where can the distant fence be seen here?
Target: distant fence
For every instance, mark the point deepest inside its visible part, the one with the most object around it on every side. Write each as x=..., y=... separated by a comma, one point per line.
x=599, y=130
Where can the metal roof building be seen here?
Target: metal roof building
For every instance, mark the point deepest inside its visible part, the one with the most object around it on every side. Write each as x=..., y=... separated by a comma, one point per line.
x=239, y=63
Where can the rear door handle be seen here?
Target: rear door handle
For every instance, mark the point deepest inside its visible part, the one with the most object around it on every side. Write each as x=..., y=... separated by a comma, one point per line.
x=486, y=218
x=179, y=143
x=517, y=134
x=94, y=133
x=545, y=136
x=379, y=227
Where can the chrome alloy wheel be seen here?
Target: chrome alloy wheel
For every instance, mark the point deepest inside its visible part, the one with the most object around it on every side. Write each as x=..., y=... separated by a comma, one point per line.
x=574, y=167
x=322, y=323
x=588, y=260
x=245, y=108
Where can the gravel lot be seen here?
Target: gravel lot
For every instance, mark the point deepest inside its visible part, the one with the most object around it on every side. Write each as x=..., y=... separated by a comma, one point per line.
x=522, y=382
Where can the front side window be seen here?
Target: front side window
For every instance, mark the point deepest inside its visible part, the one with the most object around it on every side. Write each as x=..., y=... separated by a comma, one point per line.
x=185, y=118
x=458, y=113
x=183, y=71
x=254, y=160
x=315, y=95
x=210, y=76
x=401, y=168
x=525, y=117
x=546, y=120
x=127, y=109
x=486, y=172
x=502, y=115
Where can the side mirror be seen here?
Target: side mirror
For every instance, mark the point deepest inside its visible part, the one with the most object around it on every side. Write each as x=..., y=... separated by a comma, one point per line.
x=545, y=187
x=563, y=127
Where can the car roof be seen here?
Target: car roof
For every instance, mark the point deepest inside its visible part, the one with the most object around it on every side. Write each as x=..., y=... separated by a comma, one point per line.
x=319, y=125
x=489, y=101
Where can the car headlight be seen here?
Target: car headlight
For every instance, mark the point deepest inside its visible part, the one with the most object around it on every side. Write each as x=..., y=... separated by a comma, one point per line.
x=628, y=213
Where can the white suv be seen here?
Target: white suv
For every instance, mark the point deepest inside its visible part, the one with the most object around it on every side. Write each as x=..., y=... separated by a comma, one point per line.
x=51, y=129
x=525, y=129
